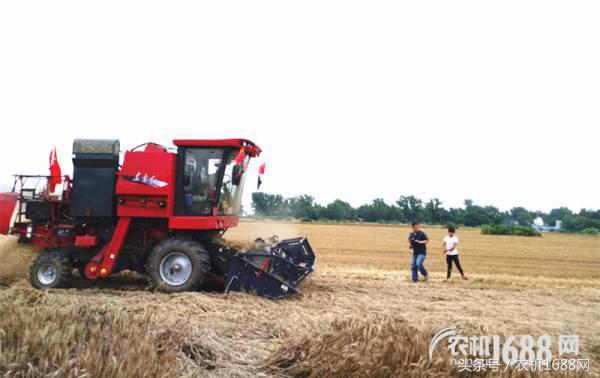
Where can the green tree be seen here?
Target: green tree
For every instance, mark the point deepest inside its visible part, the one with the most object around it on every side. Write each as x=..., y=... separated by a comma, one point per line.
x=339, y=210
x=433, y=211
x=494, y=215
x=379, y=210
x=591, y=214
x=455, y=216
x=303, y=207
x=522, y=216
x=557, y=214
x=269, y=204
x=579, y=222
x=411, y=207
x=475, y=215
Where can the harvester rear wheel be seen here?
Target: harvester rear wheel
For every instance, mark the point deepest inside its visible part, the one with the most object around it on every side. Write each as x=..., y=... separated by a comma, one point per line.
x=50, y=270
x=178, y=264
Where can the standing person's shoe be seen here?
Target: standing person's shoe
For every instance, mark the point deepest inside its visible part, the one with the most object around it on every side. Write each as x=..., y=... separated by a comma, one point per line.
x=464, y=277
x=426, y=278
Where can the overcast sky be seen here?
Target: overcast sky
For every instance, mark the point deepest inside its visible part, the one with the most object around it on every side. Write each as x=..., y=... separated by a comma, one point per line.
x=495, y=101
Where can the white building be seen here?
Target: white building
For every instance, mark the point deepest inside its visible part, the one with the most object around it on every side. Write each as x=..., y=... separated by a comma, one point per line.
x=539, y=225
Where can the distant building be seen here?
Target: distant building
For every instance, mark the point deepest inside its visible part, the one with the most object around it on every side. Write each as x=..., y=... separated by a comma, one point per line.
x=539, y=225
x=538, y=222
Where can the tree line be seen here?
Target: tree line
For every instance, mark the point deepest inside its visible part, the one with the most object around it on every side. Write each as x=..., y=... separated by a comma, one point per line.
x=410, y=208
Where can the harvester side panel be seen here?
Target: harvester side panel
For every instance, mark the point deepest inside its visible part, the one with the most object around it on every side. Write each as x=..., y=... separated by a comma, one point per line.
x=145, y=187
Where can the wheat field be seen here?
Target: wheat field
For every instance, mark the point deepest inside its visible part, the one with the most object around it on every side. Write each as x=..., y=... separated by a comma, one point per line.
x=358, y=315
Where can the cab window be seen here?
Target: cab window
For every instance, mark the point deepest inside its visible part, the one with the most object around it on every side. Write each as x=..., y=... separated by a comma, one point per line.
x=201, y=168
x=230, y=200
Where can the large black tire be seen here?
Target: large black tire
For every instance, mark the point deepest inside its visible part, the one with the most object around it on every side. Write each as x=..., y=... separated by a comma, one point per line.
x=178, y=264
x=50, y=270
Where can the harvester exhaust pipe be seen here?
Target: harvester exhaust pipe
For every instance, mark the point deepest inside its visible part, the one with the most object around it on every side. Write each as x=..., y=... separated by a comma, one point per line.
x=272, y=272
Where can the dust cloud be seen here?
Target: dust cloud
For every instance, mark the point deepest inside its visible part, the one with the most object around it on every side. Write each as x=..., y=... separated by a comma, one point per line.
x=15, y=259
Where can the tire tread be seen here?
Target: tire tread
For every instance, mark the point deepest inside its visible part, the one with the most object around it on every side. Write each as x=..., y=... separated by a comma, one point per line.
x=197, y=253
x=63, y=265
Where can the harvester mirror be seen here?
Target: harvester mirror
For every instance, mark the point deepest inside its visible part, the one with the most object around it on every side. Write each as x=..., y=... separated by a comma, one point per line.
x=238, y=171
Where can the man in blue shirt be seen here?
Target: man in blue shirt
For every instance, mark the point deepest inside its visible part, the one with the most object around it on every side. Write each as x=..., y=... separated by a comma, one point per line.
x=418, y=243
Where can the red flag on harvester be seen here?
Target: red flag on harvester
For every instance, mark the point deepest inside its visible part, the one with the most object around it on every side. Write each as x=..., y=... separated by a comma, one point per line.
x=239, y=159
x=261, y=172
x=55, y=173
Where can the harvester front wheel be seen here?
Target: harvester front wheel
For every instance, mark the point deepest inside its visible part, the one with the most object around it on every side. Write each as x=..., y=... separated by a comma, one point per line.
x=50, y=270
x=178, y=264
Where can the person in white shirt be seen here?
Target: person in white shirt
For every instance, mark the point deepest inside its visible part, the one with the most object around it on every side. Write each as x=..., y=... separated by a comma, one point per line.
x=451, y=251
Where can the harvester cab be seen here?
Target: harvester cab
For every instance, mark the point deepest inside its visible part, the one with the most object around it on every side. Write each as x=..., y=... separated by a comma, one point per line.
x=161, y=213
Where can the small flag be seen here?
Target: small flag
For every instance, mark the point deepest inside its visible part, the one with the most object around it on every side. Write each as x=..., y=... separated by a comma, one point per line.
x=55, y=172
x=239, y=159
x=261, y=172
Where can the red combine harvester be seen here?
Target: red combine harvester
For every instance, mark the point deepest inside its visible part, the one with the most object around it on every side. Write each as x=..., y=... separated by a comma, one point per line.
x=161, y=214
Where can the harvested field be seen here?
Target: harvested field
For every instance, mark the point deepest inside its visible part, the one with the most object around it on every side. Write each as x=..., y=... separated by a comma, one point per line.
x=358, y=315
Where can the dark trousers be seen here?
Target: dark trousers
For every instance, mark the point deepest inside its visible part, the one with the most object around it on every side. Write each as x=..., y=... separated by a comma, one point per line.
x=449, y=261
